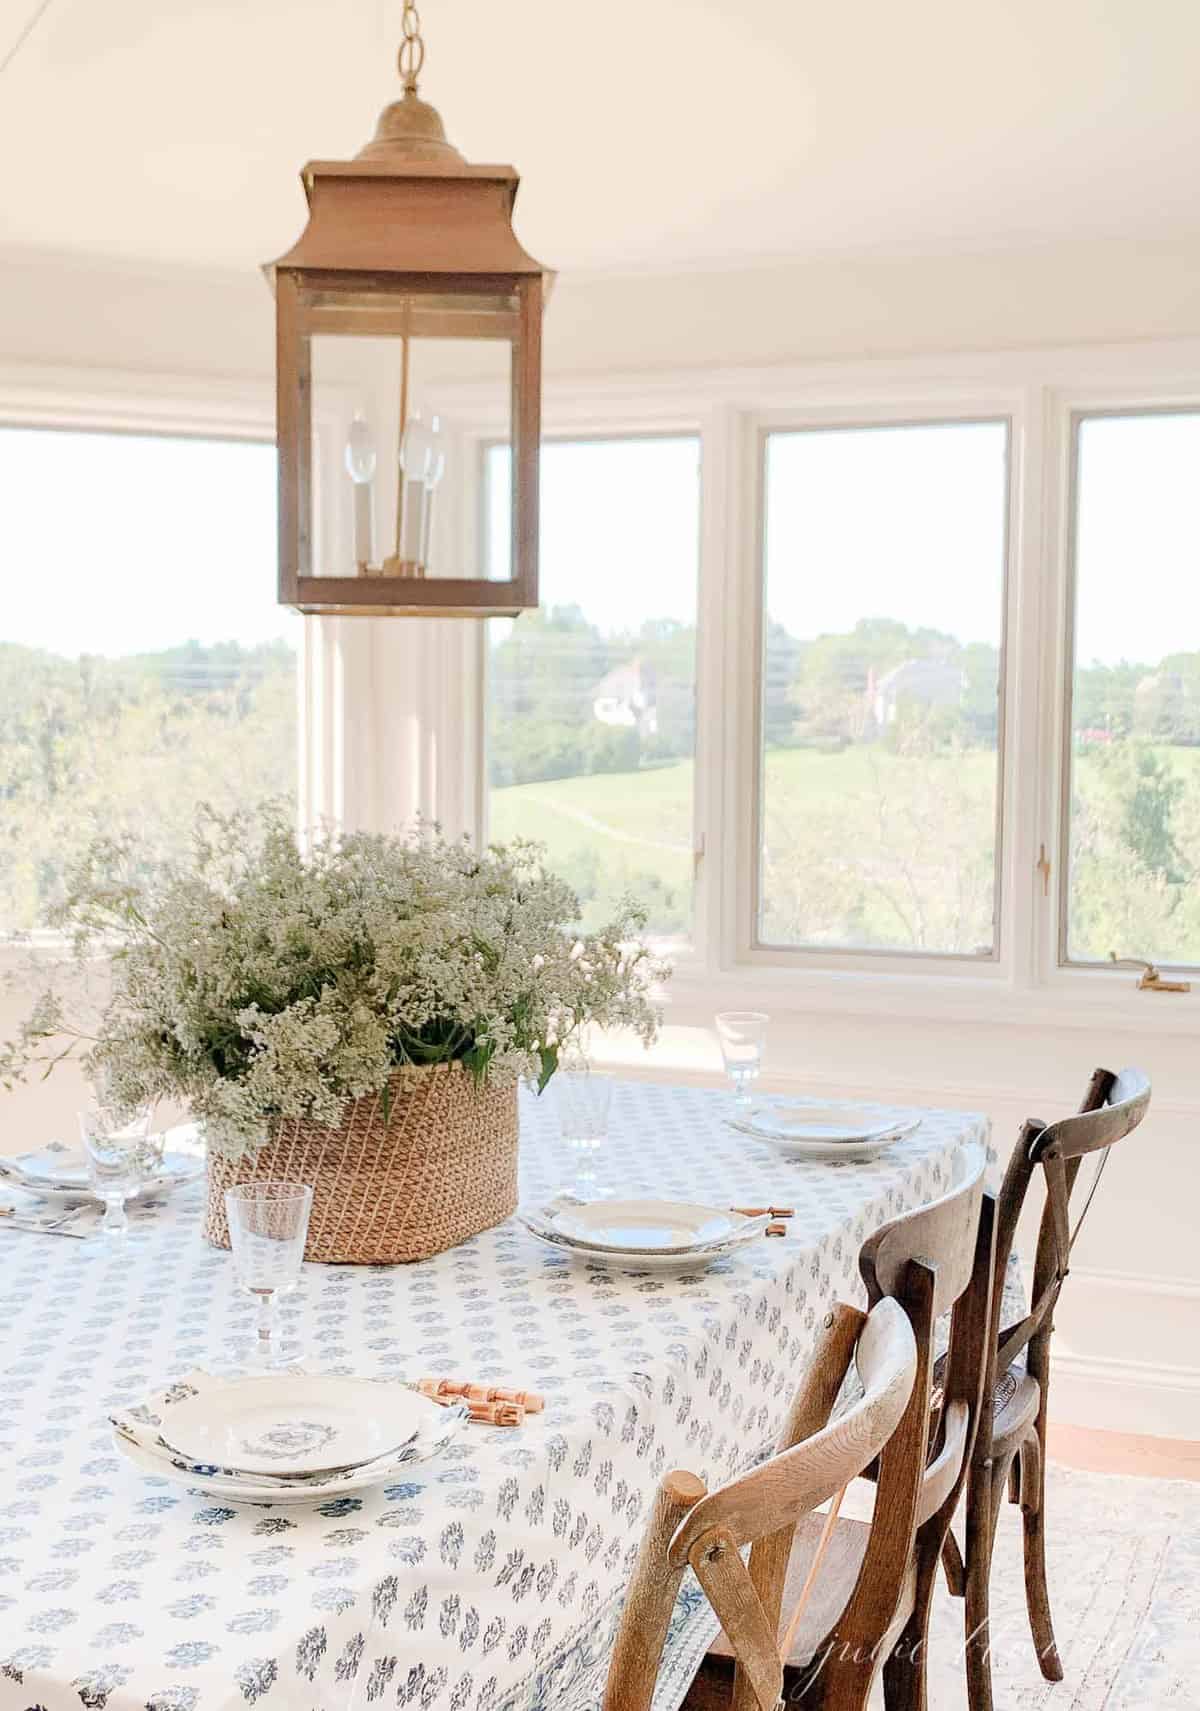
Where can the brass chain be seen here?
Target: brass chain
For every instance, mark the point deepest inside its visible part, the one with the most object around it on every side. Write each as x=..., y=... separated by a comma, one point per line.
x=412, y=47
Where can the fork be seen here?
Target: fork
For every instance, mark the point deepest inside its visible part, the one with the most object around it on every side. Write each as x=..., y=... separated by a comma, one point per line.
x=13, y=1219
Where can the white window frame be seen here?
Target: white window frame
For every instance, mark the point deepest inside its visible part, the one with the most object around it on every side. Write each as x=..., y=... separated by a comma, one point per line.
x=347, y=714
x=1036, y=393
x=619, y=418
x=1145, y=387
x=750, y=950
x=122, y=402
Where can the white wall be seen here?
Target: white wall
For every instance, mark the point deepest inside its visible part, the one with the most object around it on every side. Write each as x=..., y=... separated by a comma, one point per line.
x=1129, y=1356
x=53, y=310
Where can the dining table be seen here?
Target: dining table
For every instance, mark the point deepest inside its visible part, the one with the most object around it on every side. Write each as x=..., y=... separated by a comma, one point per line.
x=489, y=1578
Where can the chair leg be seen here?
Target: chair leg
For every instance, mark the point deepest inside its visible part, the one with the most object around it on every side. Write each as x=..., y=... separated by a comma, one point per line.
x=843, y=1684
x=1014, y=1480
x=1037, y=1593
x=905, y=1670
x=983, y=1501
x=904, y=1679
x=952, y=1565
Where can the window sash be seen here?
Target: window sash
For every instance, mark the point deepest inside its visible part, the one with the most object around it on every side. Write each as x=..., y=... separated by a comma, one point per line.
x=757, y=946
x=114, y=403
x=687, y=951
x=1074, y=414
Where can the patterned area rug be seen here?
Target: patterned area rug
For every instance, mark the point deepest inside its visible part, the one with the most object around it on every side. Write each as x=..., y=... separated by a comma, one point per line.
x=1124, y=1571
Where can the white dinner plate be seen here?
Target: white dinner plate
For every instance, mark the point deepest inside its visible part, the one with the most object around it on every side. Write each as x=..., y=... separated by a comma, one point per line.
x=58, y=1174
x=675, y=1265
x=825, y=1133
x=800, y=1120
x=290, y=1423
x=645, y=1226
x=441, y=1426
x=544, y=1225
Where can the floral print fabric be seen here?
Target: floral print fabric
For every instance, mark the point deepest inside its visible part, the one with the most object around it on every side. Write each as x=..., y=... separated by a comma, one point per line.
x=492, y=1577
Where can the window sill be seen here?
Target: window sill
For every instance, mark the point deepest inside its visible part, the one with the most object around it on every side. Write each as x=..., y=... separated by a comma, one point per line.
x=1073, y=999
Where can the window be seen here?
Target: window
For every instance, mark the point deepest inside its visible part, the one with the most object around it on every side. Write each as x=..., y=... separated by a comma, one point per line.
x=144, y=663
x=591, y=699
x=1132, y=874
x=883, y=628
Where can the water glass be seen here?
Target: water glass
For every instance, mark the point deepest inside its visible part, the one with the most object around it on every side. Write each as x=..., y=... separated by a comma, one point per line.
x=583, y=1097
x=742, y=1034
x=268, y=1227
x=120, y=1157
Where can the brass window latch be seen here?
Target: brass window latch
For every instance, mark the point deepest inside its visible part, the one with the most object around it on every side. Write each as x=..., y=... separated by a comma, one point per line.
x=1151, y=980
x=1042, y=866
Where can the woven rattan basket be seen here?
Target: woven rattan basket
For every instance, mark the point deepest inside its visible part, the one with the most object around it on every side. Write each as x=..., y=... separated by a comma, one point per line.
x=442, y=1166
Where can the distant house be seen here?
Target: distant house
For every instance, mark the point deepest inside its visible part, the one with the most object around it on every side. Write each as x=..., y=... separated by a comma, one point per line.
x=628, y=696
x=925, y=682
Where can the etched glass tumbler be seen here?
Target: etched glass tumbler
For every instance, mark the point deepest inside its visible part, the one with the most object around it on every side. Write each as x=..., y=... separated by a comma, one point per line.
x=743, y=1036
x=268, y=1227
x=120, y=1158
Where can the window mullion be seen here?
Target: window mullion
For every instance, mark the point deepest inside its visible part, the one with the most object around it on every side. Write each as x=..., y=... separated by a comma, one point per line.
x=1029, y=735
x=1048, y=883
x=716, y=753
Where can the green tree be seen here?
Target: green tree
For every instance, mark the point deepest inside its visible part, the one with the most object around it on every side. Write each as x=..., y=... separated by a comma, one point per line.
x=132, y=744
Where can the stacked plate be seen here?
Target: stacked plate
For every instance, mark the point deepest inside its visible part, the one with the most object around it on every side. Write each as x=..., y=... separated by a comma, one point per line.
x=640, y=1235
x=283, y=1438
x=59, y=1174
x=827, y=1133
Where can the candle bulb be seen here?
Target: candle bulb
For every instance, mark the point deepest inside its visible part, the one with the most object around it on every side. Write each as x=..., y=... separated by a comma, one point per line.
x=361, y=460
x=422, y=462
x=412, y=526
x=434, y=470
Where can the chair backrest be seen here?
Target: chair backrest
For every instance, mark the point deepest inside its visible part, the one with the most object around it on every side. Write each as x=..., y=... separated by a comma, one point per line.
x=914, y=1266
x=816, y=1459
x=1112, y=1108
x=930, y=1261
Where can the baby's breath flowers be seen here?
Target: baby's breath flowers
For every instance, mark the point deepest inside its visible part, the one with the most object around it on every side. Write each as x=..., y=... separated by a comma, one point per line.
x=256, y=981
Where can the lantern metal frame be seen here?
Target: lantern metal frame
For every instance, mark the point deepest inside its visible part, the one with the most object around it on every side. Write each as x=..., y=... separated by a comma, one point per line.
x=407, y=240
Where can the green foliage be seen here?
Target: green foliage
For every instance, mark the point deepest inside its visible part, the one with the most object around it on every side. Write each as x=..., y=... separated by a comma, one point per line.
x=544, y=678
x=253, y=981
x=1143, y=792
x=131, y=745
x=878, y=835
x=1135, y=853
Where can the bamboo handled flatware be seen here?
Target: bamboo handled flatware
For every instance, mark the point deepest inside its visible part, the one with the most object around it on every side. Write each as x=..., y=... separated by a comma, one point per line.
x=490, y=1404
x=12, y=1218
x=777, y=1214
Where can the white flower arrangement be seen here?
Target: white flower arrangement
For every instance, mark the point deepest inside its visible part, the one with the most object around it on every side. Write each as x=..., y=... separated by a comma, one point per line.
x=255, y=981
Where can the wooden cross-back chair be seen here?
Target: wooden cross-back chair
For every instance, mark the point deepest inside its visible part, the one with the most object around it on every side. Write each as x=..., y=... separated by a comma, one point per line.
x=814, y=1613
x=1010, y=1448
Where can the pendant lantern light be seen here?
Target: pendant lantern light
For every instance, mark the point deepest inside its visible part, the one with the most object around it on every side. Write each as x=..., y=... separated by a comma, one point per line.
x=407, y=246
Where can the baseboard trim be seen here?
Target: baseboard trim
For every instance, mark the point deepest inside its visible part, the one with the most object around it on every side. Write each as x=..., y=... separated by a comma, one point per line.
x=1125, y=1395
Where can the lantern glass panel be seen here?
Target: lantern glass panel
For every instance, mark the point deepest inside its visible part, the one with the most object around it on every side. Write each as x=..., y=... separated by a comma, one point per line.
x=390, y=475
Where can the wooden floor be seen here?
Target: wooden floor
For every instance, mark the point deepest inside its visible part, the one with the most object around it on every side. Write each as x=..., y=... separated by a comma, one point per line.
x=1121, y=1452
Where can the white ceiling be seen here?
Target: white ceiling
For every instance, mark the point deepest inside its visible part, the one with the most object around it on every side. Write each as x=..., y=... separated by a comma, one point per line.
x=650, y=134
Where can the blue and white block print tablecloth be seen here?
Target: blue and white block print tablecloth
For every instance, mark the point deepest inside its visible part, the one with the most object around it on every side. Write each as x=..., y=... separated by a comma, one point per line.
x=492, y=1578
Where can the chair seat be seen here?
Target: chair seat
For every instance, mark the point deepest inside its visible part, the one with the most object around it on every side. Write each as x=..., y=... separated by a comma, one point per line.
x=839, y=1571
x=1015, y=1403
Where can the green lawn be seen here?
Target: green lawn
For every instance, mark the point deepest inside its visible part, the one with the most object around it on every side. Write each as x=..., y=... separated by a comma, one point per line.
x=613, y=832
x=861, y=847
x=610, y=833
